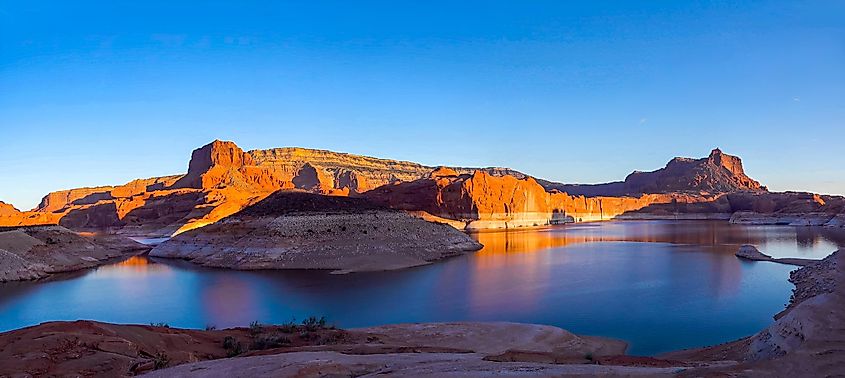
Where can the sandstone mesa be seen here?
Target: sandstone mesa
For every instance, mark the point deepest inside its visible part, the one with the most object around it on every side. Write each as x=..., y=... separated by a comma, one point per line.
x=223, y=179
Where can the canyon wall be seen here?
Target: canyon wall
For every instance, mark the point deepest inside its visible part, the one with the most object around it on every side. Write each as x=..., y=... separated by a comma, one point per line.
x=222, y=179
x=483, y=201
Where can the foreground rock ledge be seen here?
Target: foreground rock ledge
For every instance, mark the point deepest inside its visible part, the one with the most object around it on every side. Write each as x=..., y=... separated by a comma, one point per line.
x=434, y=349
x=295, y=230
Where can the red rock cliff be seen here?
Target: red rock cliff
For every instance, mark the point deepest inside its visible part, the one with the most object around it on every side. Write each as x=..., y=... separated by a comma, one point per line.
x=484, y=201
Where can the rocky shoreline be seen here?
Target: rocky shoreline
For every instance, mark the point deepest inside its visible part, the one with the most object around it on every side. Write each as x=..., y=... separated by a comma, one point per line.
x=789, y=219
x=806, y=338
x=35, y=252
x=294, y=230
x=750, y=252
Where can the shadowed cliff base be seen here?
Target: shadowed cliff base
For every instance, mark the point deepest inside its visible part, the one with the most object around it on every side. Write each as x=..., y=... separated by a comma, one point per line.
x=753, y=208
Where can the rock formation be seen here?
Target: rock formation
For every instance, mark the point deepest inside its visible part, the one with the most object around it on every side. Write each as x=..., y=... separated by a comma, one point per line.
x=750, y=252
x=717, y=173
x=788, y=208
x=7, y=210
x=296, y=230
x=342, y=172
x=36, y=251
x=480, y=199
x=214, y=165
x=483, y=201
x=221, y=180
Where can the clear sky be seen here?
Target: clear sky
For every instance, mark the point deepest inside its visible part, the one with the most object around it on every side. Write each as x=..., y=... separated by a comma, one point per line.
x=101, y=92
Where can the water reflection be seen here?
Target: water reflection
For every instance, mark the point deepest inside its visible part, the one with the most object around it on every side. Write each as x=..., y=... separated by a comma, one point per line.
x=658, y=285
x=135, y=265
x=778, y=241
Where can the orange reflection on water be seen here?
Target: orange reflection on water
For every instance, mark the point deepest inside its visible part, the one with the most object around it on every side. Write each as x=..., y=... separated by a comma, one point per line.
x=513, y=253
x=134, y=264
x=535, y=240
x=520, y=254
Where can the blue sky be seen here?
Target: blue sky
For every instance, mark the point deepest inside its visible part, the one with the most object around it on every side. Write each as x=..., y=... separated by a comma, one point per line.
x=95, y=93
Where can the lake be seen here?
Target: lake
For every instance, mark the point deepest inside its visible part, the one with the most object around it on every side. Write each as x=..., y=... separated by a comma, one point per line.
x=660, y=285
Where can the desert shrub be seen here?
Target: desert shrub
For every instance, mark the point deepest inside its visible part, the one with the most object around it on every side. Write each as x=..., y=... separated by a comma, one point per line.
x=273, y=340
x=307, y=335
x=210, y=327
x=288, y=327
x=256, y=328
x=332, y=338
x=160, y=360
x=232, y=346
x=160, y=324
x=312, y=323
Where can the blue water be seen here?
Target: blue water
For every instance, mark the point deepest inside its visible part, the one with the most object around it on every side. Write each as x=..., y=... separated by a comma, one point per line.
x=659, y=285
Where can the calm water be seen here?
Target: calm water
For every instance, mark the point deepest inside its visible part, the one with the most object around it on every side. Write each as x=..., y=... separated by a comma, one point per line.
x=659, y=285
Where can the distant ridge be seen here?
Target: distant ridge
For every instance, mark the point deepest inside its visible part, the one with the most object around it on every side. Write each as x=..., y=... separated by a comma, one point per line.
x=714, y=174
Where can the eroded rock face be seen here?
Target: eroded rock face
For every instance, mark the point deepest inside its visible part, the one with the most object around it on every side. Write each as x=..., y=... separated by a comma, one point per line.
x=7, y=210
x=484, y=201
x=215, y=164
x=221, y=180
x=717, y=173
x=333, y=172
x=296, y=230
x=787, y=208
